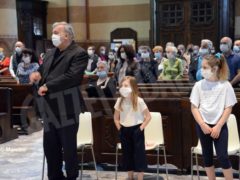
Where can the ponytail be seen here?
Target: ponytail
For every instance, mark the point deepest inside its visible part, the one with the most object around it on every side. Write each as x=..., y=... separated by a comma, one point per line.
x=220, y=61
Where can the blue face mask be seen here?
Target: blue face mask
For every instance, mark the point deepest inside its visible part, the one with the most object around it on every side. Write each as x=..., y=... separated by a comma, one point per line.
x=203, y=52
x=1, y=55
x=158, y=55
x=236, y=49
x=102, y=74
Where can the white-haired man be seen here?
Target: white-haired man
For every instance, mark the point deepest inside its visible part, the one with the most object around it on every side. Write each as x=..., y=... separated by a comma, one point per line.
x=16, y=58
x=61, y=101
x=205, y=49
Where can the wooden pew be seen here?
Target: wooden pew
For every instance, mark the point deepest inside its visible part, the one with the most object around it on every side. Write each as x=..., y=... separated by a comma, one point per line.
x=23, y=106
x=159, y=94
x=7, y=80
x=165, y=89
x=174, y=81
x=166, y=85
x=7, y=132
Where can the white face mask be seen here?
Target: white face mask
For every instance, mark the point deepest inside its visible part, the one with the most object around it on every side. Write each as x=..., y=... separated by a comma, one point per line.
x=145, y=55
x=207, y=73
x=195, y=51
x=26, y=59
x=123, y=55
x=90, y=52
x=224, y=48
x=212, y=51
x=1, y=56
x=203, y=51
x=56, y=40
x=103, y=52
x=111, y=56
x=171, y=56
x=125, y=91
x=236, y=49
x=18, y=50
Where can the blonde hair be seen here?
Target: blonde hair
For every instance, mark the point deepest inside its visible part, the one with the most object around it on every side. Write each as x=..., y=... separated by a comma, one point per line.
x=219, y=61
x=134, y=94
x=157, y=48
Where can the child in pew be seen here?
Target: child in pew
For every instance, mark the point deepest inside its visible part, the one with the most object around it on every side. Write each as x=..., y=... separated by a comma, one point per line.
x=131, y=116
x=212, y=100
x=27, y=66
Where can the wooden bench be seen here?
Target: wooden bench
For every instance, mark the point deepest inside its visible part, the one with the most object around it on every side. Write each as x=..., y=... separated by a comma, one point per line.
x=23, y=107
x=165, y=89
x=166, y=84
x=7, y=80
x=174, y=81
x=7, y=132
x=159, y=94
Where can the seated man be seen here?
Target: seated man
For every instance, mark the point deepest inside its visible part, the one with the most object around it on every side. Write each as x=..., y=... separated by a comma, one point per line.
x=92, y=61
x=4, y=63
x=105, y=86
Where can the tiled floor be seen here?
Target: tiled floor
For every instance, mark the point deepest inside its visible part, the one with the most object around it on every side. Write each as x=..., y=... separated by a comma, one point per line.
x=21, y=159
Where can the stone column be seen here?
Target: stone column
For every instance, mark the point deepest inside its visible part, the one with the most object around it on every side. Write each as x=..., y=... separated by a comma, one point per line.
x=8, y=25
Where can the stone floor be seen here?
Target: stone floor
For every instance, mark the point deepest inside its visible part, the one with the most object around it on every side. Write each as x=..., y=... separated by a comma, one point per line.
x=21, y=159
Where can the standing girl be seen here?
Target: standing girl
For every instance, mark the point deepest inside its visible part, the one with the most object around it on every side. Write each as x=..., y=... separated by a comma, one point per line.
x=131, y=117
x=212, y=100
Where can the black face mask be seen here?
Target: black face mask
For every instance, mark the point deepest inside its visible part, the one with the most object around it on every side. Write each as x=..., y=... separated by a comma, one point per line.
x=179, y=53
x=190, y=50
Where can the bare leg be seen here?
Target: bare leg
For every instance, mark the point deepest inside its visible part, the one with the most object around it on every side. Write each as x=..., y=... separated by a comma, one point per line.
x=140, y=175
x=130, y=175
x=228, y=174
x=210, y=172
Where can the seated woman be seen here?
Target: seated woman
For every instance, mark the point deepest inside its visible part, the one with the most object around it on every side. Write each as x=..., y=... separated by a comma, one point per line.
x=172, y=66
x=92, y=61
x=112, y=61
x=105, y=86
x=27, y=66
x=4, y=63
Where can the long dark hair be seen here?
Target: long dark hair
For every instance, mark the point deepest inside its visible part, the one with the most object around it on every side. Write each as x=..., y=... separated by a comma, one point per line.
x=129, y=52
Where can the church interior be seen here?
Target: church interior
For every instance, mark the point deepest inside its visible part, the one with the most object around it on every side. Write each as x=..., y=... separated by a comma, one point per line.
x=149, y=31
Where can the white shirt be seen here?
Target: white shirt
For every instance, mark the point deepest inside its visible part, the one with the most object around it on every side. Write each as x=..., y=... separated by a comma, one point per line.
x=129, y=117
x=212, y=98
x=89, y=65
x=122, y=72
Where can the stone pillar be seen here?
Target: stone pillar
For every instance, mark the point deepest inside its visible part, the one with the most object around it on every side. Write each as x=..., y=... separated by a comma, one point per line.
x=8, y=24
x=57, y=11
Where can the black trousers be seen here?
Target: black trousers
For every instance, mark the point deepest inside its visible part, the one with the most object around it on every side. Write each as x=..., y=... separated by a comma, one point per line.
x=221, y=147
x=133, y=148
x=61, y=144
